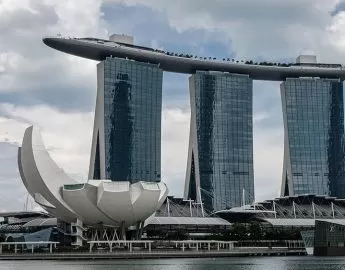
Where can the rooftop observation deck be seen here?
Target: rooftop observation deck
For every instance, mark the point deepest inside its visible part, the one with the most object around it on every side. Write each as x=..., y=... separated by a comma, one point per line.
x=100, y=49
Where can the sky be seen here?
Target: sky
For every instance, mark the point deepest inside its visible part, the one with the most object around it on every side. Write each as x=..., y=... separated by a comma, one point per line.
x=57, y=92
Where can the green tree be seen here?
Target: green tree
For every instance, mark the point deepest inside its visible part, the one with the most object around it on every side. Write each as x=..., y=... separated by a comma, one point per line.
x=255, y=231
x=238, y=232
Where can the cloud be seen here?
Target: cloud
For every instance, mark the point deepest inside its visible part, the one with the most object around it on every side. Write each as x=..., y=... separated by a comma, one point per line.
x=339, y=8
x=268, y=160
x=32, y=73
x=267, y=29
x=175, y=136
x=66, y=135
x=21, y=18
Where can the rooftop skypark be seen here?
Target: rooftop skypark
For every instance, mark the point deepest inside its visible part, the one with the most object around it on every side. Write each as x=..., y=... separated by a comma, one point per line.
x=122, y=47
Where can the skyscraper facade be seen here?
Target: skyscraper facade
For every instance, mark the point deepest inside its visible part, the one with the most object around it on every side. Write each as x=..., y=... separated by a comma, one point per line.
x=313, y=112
x=127, y=133
x=220, y=157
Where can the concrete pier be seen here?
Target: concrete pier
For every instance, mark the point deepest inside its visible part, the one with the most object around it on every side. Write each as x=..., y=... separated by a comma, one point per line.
x=153, y=254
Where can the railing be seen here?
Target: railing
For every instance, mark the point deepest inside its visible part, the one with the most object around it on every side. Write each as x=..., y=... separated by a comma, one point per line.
x=28, y=245
x=147, y=248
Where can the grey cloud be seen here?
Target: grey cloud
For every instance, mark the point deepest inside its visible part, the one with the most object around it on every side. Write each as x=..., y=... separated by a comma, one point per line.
x=270, y=122
x=264, y=10
x=175, y=91
x=266, y=28
x=267, y=106
x=175, y=184
x=41, y=77
x=12, y=190
x=295, y=11
x=39, y=74
x=340, y=7
x=20, y=119
x=62, y=98
x=24, y=19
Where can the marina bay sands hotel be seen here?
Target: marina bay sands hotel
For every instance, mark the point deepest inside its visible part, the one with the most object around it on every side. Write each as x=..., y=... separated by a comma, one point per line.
x=127, y=131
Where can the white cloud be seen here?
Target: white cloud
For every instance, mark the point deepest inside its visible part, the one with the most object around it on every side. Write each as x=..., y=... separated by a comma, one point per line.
x=175, y=135
x=337, y=33
x=268, y=162
x=66, y=135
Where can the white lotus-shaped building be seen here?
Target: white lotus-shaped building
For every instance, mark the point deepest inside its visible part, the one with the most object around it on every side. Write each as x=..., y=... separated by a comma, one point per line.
x=94, y=202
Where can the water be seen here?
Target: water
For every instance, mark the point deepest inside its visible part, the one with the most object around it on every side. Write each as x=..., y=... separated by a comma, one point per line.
x=245, y=263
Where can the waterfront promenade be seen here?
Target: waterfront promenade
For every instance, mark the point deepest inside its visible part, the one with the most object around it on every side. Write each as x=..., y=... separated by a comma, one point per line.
x=148, y=249
x=101, y=255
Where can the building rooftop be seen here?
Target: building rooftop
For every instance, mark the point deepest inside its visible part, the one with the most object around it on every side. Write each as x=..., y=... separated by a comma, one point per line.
x=299, y=222
x=294, y=208
x=23, y=214
x=100, y=49
x=197, y=221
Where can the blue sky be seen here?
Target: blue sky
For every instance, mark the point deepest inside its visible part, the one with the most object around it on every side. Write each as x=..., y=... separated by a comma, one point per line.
x=57, y=92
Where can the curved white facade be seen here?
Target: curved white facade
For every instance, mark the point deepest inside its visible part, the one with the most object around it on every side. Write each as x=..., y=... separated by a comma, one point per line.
x=95, y=202
x=42, y=177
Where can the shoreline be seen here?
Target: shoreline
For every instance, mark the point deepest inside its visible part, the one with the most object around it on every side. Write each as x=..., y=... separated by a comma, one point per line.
x=150, y=255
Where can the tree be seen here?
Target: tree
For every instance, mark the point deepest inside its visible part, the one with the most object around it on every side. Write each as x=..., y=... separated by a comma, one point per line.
x=238, y=231
x=255, y=231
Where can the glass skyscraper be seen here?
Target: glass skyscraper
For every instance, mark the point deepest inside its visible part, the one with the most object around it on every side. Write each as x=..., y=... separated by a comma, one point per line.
x=220, y=157
x=313, y=112
x=127, y=133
